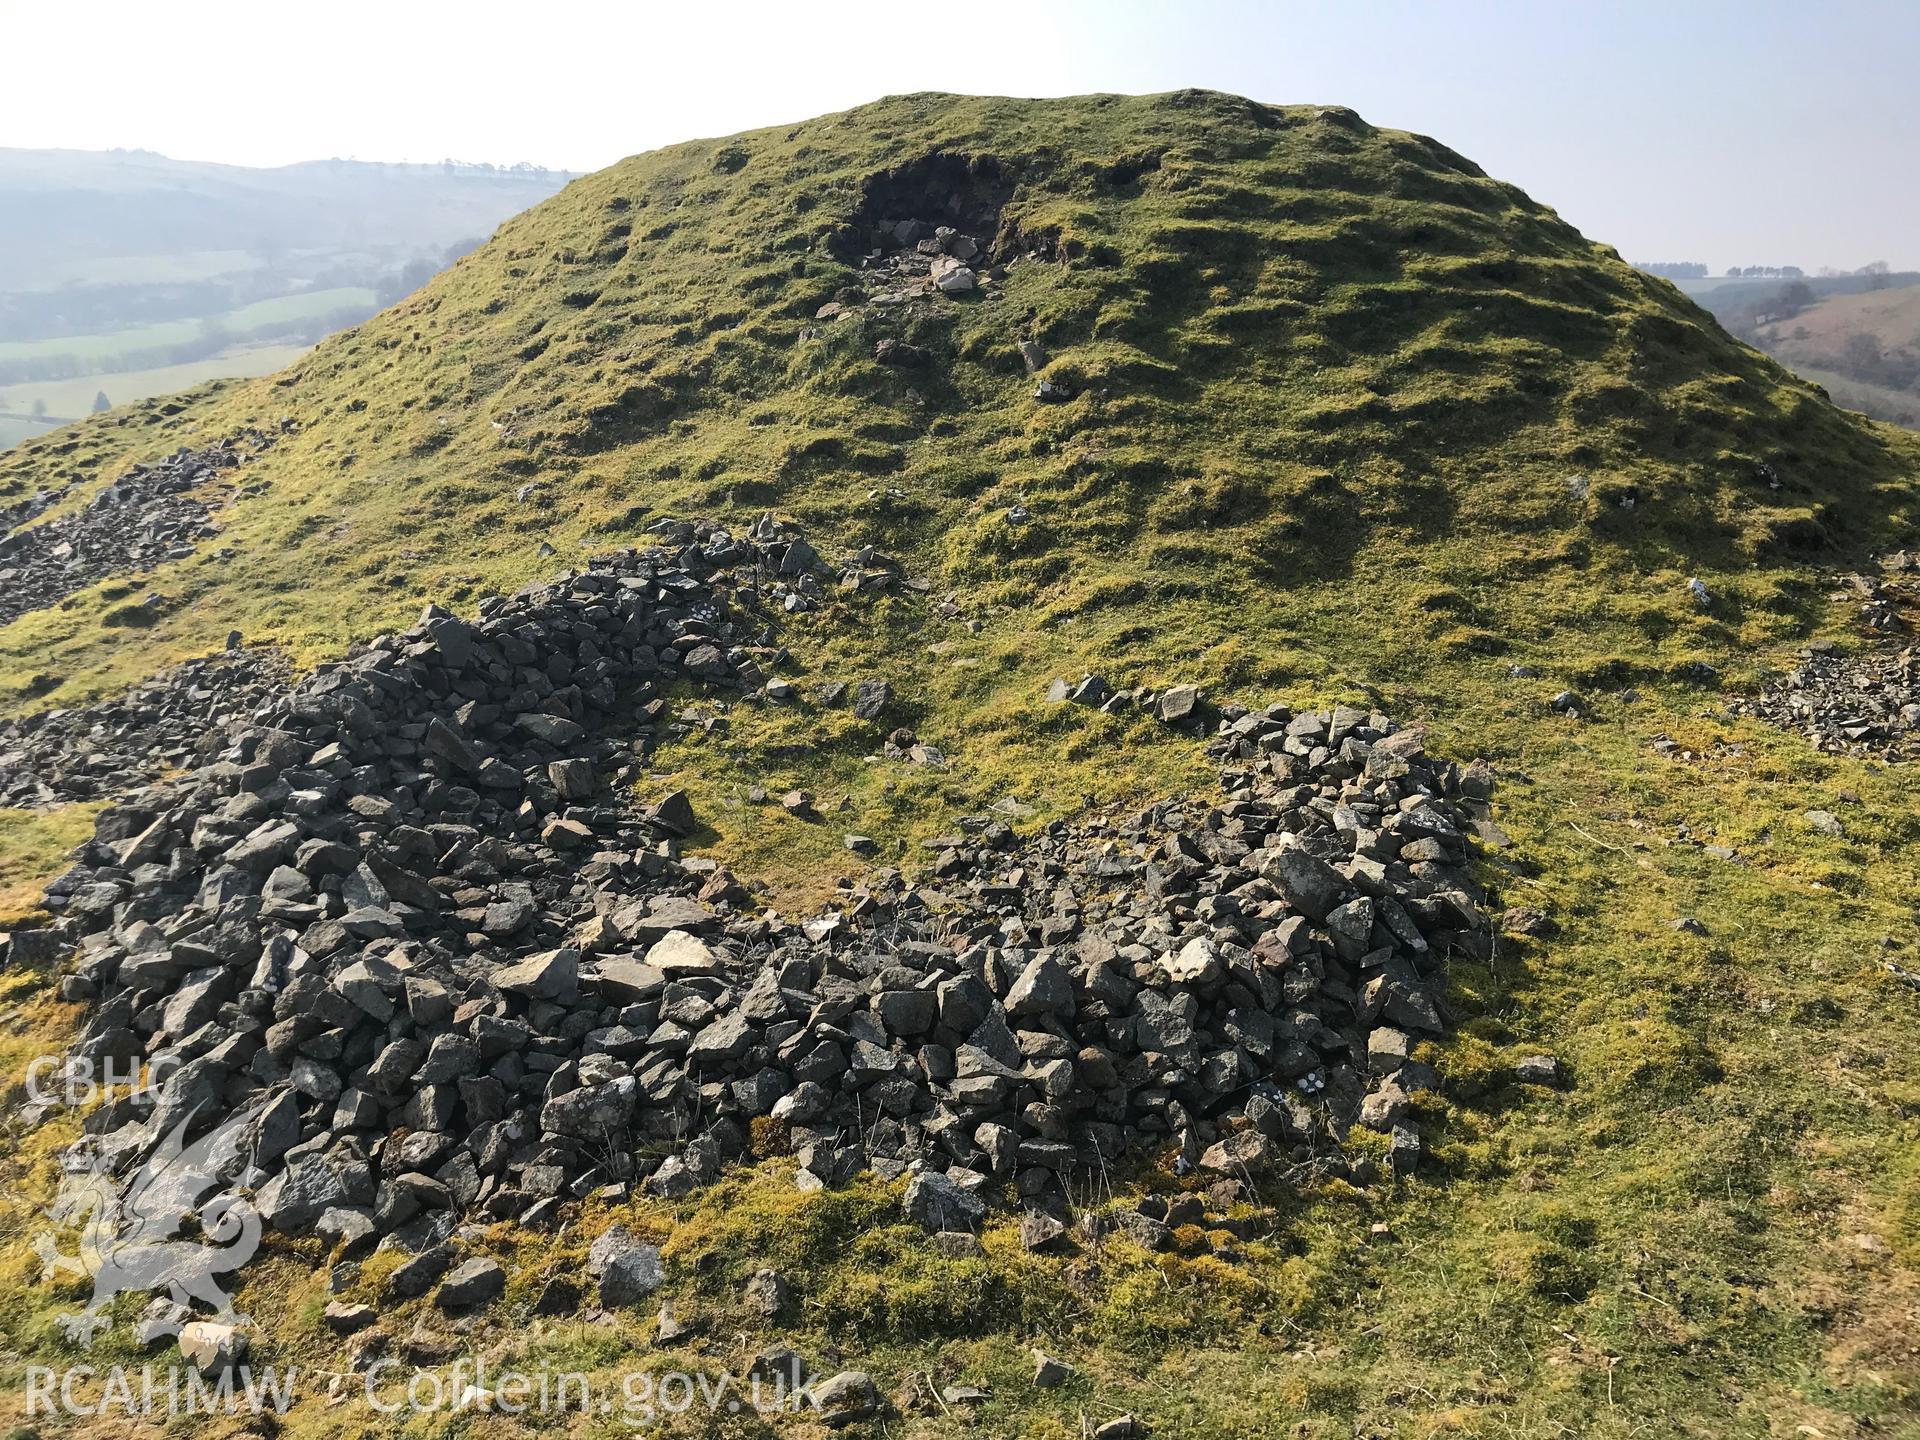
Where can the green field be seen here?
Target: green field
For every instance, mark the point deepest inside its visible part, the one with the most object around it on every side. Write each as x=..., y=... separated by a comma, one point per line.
x=182, y=268
x=265, y=317
x=168, y=292
x=70, y=399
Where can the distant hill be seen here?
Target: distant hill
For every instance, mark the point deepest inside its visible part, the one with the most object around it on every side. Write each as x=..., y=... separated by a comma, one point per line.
x=1857, y=335
x=68, y=208
x=1727, y=295
x=150, y=274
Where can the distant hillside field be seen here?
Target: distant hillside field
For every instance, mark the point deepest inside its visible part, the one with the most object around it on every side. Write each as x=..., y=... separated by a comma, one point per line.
x=1890, y=317
x=127, y=264
x=1857, y=335
x=66, y=400
x=1896, y=407
x=102, y=354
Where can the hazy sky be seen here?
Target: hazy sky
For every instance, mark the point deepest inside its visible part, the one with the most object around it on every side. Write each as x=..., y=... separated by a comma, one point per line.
x=1754, y=132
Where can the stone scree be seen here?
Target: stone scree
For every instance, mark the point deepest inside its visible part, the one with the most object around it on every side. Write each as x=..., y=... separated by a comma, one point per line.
x=173, y=722
x=1866, y=705
x=141, y=520
x=402, y=918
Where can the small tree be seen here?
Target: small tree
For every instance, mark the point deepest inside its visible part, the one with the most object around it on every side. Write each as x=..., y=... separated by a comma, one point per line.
x=38, y=409
x=100, y=402
x=1864, y=356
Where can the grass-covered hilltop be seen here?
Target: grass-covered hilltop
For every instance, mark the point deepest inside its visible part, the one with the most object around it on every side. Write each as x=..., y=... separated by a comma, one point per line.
x=1298, y=349
x=1260, y=399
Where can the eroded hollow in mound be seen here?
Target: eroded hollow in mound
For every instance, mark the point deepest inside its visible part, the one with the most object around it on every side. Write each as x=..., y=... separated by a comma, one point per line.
x=966, y=192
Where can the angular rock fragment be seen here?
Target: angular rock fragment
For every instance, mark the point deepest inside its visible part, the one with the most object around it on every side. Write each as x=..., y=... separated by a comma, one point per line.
x=627, y=1267
x=935, y=1203
x=470, y=1284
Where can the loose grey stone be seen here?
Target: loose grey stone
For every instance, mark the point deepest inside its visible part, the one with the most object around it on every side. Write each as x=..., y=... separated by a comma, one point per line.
x=936, y=1203
x=627, y=1267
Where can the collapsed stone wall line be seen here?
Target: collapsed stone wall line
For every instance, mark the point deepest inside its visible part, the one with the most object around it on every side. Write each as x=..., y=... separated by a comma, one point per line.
x=399, y=911
x=152, y=515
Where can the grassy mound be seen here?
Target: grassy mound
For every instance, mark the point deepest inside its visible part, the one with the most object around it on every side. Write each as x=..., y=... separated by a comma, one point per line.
x=1348, y=421
x=1320, y=372
x=1294, y=340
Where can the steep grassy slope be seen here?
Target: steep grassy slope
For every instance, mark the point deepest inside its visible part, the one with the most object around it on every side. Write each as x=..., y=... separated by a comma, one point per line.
x=1349, y=420
x=1291, y=336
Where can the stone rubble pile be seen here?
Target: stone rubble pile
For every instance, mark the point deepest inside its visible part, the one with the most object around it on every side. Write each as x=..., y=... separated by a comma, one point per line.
x=1233, y=985
x=172, y=722
x=1866, y=705
x=403, y=920
x=141, y=520
x=915, y=257
x=391, y=840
